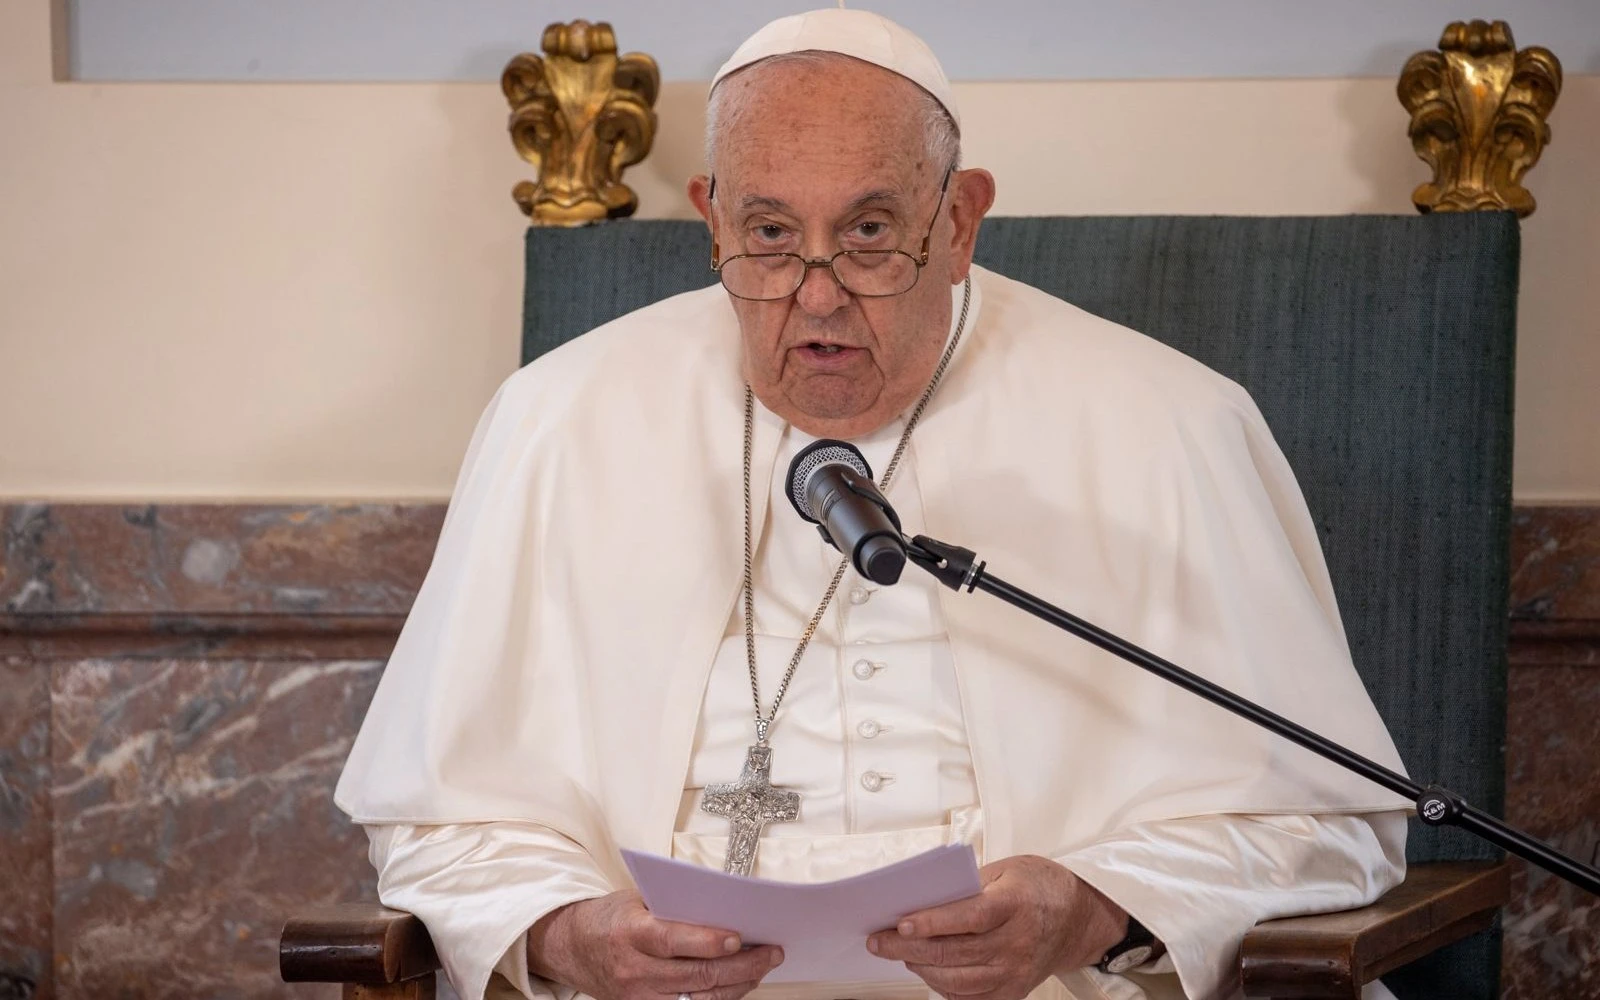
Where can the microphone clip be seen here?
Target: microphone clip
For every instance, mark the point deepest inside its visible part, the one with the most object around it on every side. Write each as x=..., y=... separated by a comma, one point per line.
x=951, y=565
x=867, y=490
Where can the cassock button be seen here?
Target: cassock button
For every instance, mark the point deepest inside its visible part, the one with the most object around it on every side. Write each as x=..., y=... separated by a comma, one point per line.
x=859, y=595
x=868, y=729
x=864, y=669
x=872, y=781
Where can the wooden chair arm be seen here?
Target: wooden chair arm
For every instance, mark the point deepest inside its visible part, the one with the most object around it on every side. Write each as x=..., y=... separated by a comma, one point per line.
x=379, y=951
x=1335, y=954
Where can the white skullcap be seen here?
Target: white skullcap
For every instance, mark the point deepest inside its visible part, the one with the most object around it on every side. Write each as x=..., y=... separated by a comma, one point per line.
x=860, y=34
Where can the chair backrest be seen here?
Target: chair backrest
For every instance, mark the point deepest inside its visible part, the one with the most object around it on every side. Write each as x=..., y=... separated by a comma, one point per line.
x=1379, y=348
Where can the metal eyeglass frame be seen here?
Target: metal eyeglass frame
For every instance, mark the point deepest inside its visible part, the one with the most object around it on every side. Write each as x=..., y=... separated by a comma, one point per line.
x=920, y=261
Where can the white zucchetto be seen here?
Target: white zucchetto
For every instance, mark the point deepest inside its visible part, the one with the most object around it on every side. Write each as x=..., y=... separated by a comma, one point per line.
x=859, y=34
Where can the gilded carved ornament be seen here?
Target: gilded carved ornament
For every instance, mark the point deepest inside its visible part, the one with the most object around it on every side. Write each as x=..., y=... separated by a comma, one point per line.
x=1478, y=110
x=581, y=115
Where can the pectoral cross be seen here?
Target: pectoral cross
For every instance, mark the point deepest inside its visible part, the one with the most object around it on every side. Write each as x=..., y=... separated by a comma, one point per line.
x=748, y=805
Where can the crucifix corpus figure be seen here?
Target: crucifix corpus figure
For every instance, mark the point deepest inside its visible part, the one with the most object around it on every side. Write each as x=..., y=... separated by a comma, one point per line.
x=749, y=804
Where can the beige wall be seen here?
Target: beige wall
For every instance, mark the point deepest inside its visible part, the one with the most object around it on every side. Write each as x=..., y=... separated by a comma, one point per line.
x=287, y=291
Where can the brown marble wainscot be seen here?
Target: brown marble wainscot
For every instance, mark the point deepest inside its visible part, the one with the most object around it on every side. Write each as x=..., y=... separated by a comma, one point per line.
x=25, y=829
x=179, y=684
x=1552, y=930
x=198, y=560
x=193, y=812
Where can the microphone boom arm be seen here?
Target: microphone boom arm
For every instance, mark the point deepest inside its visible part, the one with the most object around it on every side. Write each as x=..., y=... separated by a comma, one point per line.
x=959, y=568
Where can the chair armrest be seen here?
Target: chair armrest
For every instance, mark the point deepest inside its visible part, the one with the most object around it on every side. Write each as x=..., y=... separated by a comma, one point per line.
x=355, y=943
x=1335, y=954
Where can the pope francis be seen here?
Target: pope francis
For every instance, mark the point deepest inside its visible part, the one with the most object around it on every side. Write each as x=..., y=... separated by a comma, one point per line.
x=623, y=609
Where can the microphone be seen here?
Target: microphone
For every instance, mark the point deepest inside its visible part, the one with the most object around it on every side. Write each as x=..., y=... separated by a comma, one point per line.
x=830, y=485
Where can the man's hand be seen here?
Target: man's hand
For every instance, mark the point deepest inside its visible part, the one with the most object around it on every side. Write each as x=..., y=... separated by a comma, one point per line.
x=1034, y=918
x=612, y=947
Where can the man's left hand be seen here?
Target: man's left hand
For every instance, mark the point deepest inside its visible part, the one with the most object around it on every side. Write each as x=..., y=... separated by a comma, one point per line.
x=1034, y=918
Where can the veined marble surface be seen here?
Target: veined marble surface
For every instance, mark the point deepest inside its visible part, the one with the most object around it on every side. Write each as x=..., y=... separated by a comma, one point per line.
x=1552, y=930
x=25, y=829
x=194, y=813
x=161, y=814
x=207, y=559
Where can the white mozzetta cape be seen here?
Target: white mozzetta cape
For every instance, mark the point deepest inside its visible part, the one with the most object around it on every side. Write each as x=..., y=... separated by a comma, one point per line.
x=553, y=666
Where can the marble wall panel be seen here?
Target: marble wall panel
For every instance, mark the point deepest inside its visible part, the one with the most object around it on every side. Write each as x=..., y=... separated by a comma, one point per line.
x=1555, y=564
x=25, y=831
x=199, y=559
x=1552, y=929
x=194, y=813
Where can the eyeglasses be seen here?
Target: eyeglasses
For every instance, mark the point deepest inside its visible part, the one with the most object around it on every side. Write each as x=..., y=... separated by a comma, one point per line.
x=765, y=277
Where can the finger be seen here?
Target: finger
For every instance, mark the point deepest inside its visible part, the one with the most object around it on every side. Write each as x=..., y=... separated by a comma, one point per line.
x=1002, y=992
x=692, y=975
x=973, y=915
x=950, y=950
x=733, y=991
x=961, y=981
x=669, y=939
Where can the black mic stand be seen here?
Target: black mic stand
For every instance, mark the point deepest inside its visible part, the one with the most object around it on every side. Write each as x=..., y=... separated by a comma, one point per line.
x=957, y=568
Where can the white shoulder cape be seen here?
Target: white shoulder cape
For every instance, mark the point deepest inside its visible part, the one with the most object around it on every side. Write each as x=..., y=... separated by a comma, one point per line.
x=552, y=668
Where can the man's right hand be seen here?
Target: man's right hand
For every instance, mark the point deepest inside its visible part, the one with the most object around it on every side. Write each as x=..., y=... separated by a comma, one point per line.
x=613, y=948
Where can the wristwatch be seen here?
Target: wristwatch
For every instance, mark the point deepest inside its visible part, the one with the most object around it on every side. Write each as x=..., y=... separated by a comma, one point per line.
x=1137, y=947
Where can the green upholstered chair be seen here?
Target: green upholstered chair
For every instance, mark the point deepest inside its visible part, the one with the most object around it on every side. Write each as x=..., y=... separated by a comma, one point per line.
x=1380, y=349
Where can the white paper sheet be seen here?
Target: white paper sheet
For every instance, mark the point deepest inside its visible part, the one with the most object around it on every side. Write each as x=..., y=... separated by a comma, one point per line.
x=822, y=927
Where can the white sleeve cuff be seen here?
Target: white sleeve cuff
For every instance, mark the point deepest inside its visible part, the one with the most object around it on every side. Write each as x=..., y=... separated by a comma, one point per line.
x=1200, y=884
x=513, y=968
x=478, y=888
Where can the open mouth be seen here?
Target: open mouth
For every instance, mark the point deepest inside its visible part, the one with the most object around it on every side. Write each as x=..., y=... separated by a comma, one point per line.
x=825, y=350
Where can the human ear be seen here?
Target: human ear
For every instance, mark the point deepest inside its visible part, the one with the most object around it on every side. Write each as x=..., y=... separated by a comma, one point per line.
x=700, y=195
x=971, y=197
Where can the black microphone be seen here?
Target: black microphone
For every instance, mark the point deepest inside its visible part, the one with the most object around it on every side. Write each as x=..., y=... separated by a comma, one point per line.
x=830, y=485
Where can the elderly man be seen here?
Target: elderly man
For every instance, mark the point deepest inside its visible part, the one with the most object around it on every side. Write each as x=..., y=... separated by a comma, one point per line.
x=623, y=605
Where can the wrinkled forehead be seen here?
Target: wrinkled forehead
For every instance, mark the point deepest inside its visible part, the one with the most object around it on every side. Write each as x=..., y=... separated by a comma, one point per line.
x=816, y=131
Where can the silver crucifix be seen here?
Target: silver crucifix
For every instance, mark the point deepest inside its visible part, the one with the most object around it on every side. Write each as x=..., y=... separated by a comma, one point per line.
x=748, y=805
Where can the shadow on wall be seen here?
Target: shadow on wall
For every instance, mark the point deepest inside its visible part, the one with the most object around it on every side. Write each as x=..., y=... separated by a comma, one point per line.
x=439, y=231
x=1381, y=157
x=1557, y=364
x=678, y=154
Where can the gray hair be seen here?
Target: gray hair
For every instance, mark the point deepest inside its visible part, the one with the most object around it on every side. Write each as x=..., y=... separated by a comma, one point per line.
x=943, y=141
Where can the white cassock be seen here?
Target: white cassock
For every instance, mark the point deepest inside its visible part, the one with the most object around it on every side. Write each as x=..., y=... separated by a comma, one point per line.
x=573, y=672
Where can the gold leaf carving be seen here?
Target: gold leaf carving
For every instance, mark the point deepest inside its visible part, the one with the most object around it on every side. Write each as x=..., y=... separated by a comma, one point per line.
x=581, y=115
x=1478, y=110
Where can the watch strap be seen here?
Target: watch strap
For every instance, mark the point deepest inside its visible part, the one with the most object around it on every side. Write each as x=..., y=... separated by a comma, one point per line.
x=1120, y=957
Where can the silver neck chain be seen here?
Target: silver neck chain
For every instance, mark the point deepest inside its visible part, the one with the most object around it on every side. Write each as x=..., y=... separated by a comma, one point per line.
x=764, y=723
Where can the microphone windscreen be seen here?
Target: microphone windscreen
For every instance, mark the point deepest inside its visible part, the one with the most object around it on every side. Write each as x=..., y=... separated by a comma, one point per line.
x=813, y=457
